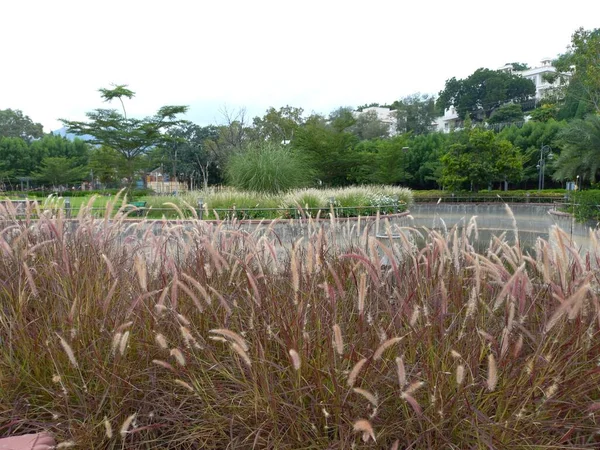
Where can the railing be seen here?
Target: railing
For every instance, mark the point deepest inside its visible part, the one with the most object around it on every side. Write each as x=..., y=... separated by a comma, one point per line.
x=133, y=212
x=488, y=199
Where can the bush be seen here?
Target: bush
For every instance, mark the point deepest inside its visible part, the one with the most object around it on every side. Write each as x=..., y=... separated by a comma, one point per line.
x=587, y=205
x=267, y=167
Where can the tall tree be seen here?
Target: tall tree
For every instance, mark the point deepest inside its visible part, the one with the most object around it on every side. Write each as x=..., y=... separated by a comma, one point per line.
x=415, y=113
x=582, y=63
x=581, y=150
x=129, y=136
x=478, y=159
x=278, y=125
x=14, y=124
x=368, y=126
x=483, y=91
x=188, y=156
x=60, y=171
x=233, y=135
x=329, y=147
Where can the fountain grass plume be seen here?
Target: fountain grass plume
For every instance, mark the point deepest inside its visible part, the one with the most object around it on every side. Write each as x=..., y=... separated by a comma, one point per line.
x=188, y=335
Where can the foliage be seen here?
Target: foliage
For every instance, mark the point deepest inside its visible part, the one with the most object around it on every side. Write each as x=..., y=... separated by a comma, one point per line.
x=129, y=136
x=16, y=125
x=329, y=148
x=200, y=337
x=267, y=167
x=510, y=112
x=188, y=156
x=530, y=138
x=107, y=165
x=415, y=113
x=480, y=158
x=586, y=205
x=519, y=67
x=544, y=113
x=368, y=126
x=483, y=91
x=581, y=150
x=60, y=171
x=583, y=62
x=278, y=126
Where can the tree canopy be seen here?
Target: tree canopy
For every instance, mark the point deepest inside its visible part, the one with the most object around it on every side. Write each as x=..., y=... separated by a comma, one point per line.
x=13, y=123
x=129, y=136
x=483, y=91
x=415, y=113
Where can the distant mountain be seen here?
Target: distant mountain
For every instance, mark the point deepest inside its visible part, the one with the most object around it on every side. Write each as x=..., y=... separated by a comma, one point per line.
x=63, y=132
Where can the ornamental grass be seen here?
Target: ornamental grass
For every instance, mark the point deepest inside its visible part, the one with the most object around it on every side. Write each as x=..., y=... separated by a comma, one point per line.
x=186, y=334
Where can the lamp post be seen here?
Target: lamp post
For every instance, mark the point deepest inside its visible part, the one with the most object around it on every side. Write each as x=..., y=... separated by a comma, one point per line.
x=542, y=165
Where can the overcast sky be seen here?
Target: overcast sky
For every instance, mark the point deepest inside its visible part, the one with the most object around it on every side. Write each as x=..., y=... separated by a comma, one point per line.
x=317, y=55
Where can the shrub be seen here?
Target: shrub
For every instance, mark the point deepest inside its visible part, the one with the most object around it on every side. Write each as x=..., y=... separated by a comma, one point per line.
x=267, y=167
x=587, y=205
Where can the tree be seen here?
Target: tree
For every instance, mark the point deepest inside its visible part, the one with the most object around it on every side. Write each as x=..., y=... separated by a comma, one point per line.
x=582, y=62
x=329, y=147
x=107, y=166
x=581, y=150
x=544, y=113
x=510, y=112
x=530, y=138
x=519, y=67
x=483, y=91
x=415, y=113
x=189, y=155
x=480, y=158
x=278, y=125
x=14, y=124
x=368, y=126
x=129, y=136
x=232, y=136
x=14, y=158
x=59, y=171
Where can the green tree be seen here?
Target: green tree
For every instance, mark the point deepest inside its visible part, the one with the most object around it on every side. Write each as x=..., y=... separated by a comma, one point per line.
x=519, y=67
x=479, y=158
x=278, y=125
x=581, y=150
x=511, y=112
x=483, y=91
x=107, y=165
x=59, y=171
x=544, y=113
x=582, y=63
x=188, y=156
x=530, y=138
x=129, y=136
x=329, y=147
x=231, y=137
x=14, y=158
x=368, y=126
x=415, y=113
x=14, y=124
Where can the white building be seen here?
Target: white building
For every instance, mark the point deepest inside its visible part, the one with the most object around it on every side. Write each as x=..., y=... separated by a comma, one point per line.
x=537, y=75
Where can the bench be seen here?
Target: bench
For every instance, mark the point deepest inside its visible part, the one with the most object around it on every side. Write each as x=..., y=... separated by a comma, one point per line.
x=137, y=208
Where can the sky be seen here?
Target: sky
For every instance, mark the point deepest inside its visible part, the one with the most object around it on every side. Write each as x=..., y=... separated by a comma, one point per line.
x=254, y=54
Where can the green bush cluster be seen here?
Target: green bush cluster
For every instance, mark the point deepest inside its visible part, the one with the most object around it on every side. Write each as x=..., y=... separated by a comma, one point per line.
x=585, y=205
